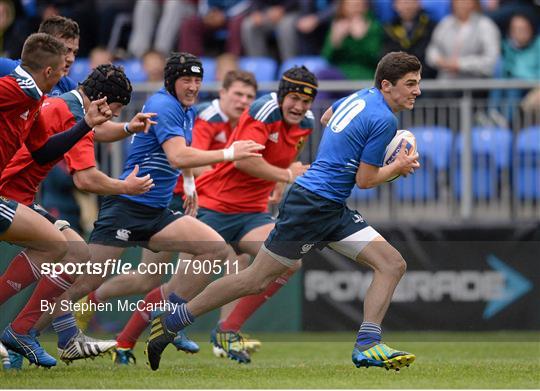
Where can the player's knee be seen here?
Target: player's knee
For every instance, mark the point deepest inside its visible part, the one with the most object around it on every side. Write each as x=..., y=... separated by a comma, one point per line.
x=57, y=249
x=397, y=265
x=148, y=282
x=223, y=252
x=294, y=268
x=78, y=252
x=243, y=261
x=85, y=285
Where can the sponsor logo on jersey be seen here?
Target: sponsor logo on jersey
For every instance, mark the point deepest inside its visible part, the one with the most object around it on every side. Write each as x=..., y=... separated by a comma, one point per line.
x=221, y=137
x=274, y=137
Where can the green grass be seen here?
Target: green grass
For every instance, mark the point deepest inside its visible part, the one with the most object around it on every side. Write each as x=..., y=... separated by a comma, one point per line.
x=308, y=360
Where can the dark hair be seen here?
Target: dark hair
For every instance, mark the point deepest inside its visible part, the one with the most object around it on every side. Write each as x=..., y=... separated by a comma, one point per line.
x=297, y=79
x=110, y=81
x=528, y=18
x=42, y=50
x=394, y=66
x=243, y=76
x=59, y=26
x=178, y=65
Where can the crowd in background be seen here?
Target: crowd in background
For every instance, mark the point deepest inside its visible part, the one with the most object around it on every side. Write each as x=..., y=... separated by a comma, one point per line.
x=452, y=38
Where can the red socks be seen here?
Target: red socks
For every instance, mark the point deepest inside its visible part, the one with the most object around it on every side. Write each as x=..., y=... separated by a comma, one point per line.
x=247, y=305
x=138, y=322
x=48, y=288
x=20, y=273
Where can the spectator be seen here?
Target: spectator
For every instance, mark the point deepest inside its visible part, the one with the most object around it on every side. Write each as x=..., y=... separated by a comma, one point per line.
x=520, y=60
x=410, y=31
x=521, y=50
x=7, y=16
x=99, y=55
x=224, y=63
x=501, y=11
x=313, y=24
x=465, y=44
x=146, y=16
x=153, y=63
x=265, y=18
x=199, y=31
x=354, y=41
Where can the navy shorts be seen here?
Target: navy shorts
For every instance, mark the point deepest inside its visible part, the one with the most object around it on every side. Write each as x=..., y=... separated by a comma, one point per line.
x=177, y=203
x=42, y=211
x=234, y=226
x=7, y=213
x=121, y=222
x=306, y=221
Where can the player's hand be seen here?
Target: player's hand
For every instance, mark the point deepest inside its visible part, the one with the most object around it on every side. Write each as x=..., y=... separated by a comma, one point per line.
x=277, y=193
x=191, y=202
x=191, y=205
x=242, y=149
x=297, y=169
x=134, y=185
x=141, y=122
x=98, y=112
x=405, y=163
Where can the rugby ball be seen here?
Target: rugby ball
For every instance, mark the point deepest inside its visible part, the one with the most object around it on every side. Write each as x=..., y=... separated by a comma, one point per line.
x=395, y=146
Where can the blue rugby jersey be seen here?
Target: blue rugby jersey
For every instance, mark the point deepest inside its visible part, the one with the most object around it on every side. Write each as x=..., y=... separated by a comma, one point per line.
x=361, y=127
x=145, y=150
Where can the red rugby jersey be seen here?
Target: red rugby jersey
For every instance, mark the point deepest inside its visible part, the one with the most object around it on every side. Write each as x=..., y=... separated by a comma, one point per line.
x=21, y=178
x=20, y=102
x=227, y=189
x=210, y=132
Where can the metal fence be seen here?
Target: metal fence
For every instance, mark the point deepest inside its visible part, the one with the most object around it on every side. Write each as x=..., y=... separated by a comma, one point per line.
x=480, y=154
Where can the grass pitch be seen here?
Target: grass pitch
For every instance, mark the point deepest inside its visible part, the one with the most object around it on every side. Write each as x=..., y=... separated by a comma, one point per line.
x=311, y=360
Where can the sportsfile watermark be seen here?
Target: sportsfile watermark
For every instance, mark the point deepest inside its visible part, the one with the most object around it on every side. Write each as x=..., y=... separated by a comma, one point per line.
x=125, y=305
x=118, y=266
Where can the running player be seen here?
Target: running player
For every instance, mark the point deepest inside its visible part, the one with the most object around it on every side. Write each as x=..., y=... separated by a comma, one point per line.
x=21, y=96
x=21, y=178
x=213, y=127
x=234, y=196
x=127, y=221
x=314, y=214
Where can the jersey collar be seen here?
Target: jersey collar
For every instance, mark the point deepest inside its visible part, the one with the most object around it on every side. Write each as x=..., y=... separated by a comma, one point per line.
x=216, y=105
x=21, y=72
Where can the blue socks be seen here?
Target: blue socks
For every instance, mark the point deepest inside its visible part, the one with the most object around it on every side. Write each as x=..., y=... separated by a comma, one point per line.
x=66, y=327
x=369, y=334
x=179, y=319
x=174, y=298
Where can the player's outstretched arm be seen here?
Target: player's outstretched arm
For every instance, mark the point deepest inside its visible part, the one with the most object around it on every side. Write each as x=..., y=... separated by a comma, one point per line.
x=260, y=168
x=55, y=146
x=94, y=181
x=182, y=156
x=369, y=176
x=113, y=131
